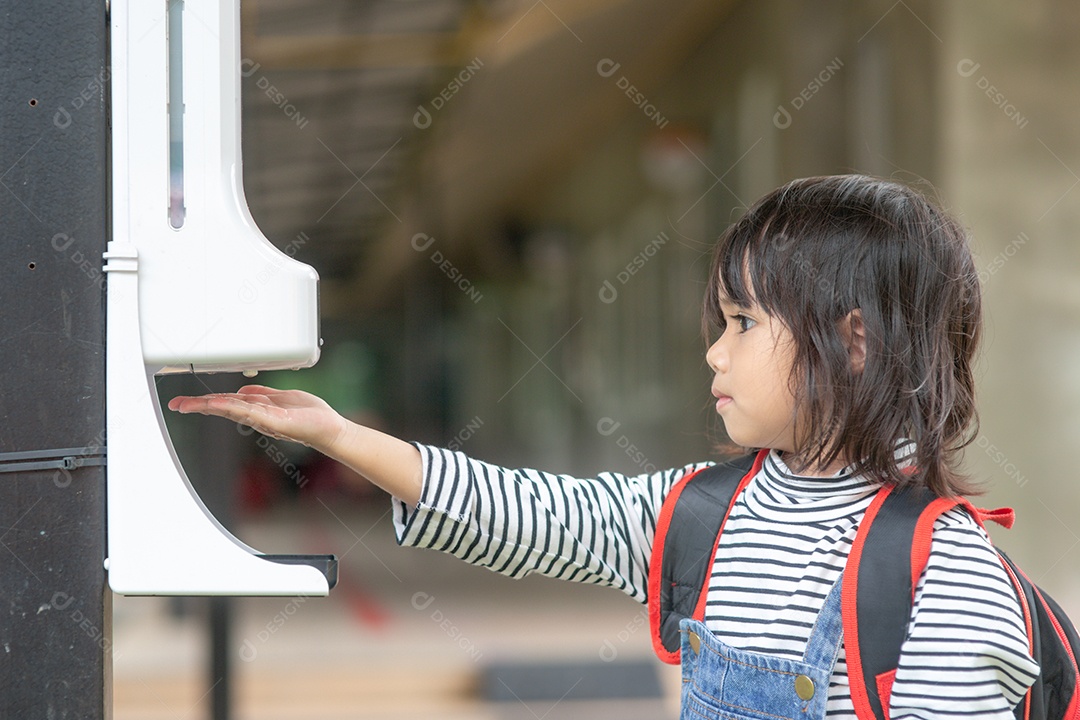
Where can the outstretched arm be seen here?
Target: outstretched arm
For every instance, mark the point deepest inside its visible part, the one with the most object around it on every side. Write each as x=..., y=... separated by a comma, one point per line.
x=392, y=464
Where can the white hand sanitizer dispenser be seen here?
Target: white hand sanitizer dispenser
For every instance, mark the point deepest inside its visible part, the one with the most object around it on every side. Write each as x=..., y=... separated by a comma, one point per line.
x=193, y=286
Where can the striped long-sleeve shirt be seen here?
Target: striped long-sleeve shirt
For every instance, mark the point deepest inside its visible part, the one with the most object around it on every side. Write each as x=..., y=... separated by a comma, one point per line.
x=784, y=545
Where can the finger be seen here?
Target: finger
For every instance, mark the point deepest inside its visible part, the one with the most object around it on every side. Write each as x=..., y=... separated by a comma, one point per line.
x=265, y=417
x=241, y=409
x=220, y=404
x=188, y=403
x=257, y=390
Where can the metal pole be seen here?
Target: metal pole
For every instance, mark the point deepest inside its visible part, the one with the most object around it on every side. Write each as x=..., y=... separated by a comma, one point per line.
x=56, y=624
x=221, y=651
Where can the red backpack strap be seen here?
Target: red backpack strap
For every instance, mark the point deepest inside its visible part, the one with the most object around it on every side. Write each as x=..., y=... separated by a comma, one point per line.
x=924, y=530
x=1003, y=516
x=1026, y=599
x=877, y=593
x=687, y=534
x=866, y=602
x=920, y=547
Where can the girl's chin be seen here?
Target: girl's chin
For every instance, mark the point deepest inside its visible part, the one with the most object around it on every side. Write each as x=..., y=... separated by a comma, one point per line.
x=742, y=439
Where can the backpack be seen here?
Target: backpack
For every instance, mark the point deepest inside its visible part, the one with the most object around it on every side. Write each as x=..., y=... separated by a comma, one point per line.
x=878, y=585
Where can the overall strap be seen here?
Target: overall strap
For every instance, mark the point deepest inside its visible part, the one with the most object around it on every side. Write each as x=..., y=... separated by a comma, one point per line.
x=687, y=534
x=878, y=591
x=827, y=635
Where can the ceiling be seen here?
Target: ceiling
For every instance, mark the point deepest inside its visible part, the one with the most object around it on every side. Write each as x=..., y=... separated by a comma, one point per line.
x=368, y=122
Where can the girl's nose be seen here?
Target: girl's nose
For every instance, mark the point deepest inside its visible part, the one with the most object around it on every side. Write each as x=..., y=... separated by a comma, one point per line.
x=716, y=356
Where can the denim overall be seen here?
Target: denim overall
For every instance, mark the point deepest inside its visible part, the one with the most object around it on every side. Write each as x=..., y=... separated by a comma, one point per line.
x=727, y=684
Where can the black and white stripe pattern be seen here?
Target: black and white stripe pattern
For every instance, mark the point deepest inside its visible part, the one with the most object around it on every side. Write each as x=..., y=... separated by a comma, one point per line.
x=785, y=544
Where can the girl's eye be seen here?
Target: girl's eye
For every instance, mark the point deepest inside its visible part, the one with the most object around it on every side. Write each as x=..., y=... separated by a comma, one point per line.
x=744, y=322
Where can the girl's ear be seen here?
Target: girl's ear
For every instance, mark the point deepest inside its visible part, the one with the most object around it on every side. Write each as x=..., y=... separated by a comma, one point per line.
x=853, y=331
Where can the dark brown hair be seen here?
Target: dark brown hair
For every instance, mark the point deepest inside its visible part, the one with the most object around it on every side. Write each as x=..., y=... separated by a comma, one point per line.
x=817, y=248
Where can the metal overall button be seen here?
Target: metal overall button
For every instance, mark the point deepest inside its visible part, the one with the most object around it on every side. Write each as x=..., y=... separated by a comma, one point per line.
x=695, y=642
x=804, y=687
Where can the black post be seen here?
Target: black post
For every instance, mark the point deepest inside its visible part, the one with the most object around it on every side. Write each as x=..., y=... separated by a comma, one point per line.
x=221, y=653
x=55, y=608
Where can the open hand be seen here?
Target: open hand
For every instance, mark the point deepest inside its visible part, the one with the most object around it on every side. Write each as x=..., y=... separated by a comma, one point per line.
x=283, y=414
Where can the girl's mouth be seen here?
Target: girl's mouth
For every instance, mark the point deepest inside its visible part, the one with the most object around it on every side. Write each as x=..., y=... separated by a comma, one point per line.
x=722, y=400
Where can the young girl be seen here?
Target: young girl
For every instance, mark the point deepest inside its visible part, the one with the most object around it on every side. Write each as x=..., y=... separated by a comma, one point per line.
x=848, y=312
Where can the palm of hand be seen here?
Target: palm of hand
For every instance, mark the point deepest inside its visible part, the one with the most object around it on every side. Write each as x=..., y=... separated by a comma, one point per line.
x=283, y=414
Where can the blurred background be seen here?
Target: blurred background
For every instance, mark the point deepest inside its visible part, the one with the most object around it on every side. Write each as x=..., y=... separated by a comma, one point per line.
x=511, y=206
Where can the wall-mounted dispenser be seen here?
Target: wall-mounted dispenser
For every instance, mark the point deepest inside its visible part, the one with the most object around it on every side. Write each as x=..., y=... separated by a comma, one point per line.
x=193, y=286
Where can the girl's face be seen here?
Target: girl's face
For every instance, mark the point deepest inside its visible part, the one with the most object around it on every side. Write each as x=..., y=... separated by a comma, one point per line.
x=752, y=363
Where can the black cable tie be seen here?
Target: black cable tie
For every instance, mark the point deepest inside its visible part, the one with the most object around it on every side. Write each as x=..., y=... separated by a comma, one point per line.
x=56, y=459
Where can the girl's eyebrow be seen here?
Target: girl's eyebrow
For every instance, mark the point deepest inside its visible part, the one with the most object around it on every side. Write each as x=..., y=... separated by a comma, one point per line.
x=725, y=300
